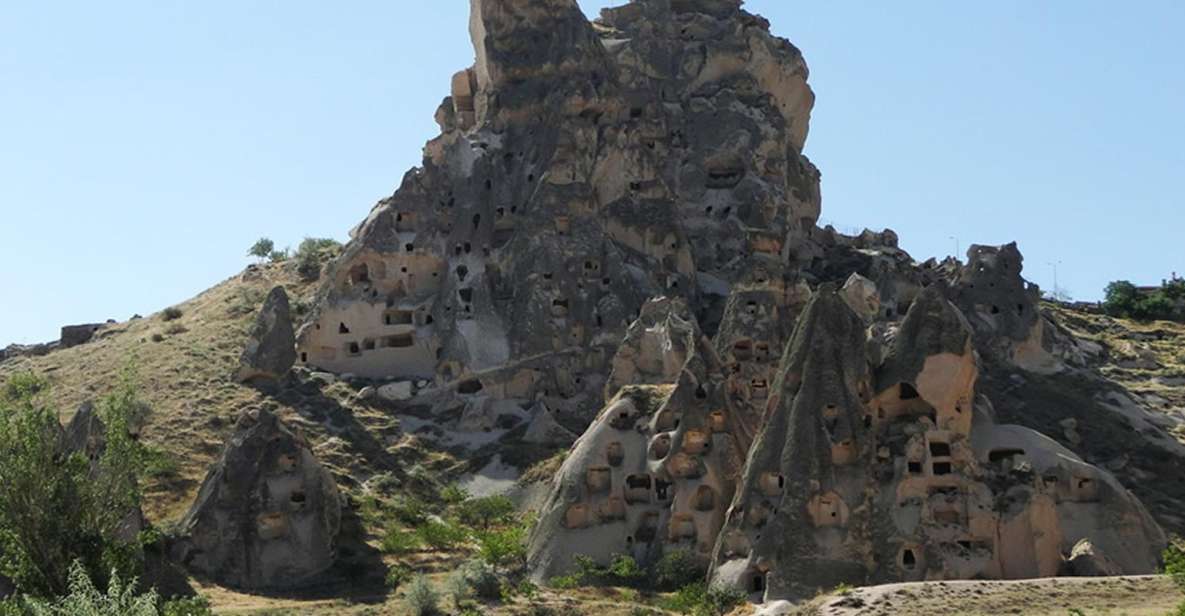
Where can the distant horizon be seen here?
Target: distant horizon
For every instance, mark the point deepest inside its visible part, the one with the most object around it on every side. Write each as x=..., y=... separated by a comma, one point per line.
x=149, y=145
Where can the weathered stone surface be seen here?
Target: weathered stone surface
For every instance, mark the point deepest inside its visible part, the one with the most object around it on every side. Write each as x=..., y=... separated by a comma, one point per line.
x=267, y=514
x=396, y=392
x=74, y=335
x=271, y=345
x=617, y=226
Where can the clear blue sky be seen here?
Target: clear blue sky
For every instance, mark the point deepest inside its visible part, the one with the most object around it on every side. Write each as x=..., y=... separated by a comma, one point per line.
x=145, y=144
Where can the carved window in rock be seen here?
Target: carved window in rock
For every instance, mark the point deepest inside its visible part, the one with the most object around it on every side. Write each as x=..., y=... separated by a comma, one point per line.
x=682, y=528
x=353, y=349
x=1005, y=457
x=742, y=350
x=360, y=274
x=828, y=510
x=622, y=418
x=368, y=344
x=398, y=317
x=908, y=559
x=759, y=388
x=666, y=420
x=578, y=516
x=660, y=446
x=761, y=352
x=613, y=508
x=684, y=466
x=771, y=484
x=615, y=454
x=696, y=442
x=599, y=479
x=718, y=420
x=1084, y=489
x=704, y=499
x=559, y=307
x=757, y=582
x=400, y=341
x=562, y=225
x=405, y=222
x=637, y=489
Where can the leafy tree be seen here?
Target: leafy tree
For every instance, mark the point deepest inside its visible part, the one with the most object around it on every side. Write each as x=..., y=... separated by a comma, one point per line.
x=1121, y=297
x=677, y=569
x=440, y=535
x=262, y=248
x=504, y=549
x=58, y=507
x=313, y=253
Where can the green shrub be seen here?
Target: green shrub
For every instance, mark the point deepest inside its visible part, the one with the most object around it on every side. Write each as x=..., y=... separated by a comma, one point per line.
x=1174, y=561
x=83, y=599
x=486, y=511
x=453, y=494
x=422, y=597
x=622, y=571
x=399, y=541
x=172, y=313
x=480, y=579
x=701, y=600
x=677, y=569
x=397, y=575
x=187, y=606
x=312, y=254
x=441, y=535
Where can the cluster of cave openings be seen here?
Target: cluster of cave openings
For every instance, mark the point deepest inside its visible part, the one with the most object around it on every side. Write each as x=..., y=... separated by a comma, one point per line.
x=660, y=446
x=615, y=454
x=599, y=479
x=940, y=459
x=771, y=484
x=637, y=489
x=696, y=442
x=704, y=499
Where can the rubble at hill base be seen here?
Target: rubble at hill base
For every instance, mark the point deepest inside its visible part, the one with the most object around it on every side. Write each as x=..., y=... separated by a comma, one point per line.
x=616, y=233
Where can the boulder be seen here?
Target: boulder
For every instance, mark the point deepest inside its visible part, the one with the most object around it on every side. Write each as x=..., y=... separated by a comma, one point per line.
x=271, y=344
x=545, y=430
x=74, y=335
x=1088, y=561
x=268, y=513
x=396, y=392
x=861, y=296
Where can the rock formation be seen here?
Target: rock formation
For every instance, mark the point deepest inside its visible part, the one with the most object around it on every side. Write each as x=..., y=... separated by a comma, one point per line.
x=267, y=514
x=617, y=229
x=271, y=345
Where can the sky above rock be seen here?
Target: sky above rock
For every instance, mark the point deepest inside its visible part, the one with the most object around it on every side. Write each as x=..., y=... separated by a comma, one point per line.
x=146, y=144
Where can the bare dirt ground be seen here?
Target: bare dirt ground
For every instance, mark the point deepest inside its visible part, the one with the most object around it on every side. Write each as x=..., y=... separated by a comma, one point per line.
x=1133, y=595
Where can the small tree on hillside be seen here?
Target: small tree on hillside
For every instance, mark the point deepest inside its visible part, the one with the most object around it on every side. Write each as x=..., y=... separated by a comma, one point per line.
x=262, y=249
x=1121, y=298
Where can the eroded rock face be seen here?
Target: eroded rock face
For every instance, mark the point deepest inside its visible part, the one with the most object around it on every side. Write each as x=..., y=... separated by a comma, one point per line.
x=655, y=470
x=582, y=169
x=911, y=481
x=267, y=514
x=271, y=345
x=617, y=228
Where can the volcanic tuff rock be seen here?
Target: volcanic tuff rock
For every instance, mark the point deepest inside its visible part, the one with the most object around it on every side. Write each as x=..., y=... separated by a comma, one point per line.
x=267, y=514
x=270, y=351
x=617, y=228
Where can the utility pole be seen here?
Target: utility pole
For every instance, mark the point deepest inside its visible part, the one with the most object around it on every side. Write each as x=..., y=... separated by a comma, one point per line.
x=1056, y=290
